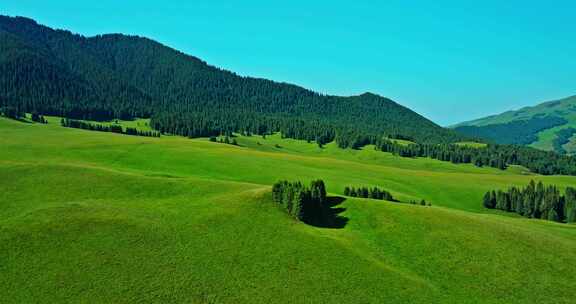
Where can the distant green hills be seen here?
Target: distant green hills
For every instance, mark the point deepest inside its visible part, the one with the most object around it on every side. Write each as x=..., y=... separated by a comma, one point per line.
x=548, y=126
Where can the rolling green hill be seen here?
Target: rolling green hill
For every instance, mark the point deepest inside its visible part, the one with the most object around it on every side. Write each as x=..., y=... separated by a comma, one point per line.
x=548, y=126
x=101, y=217
x=55, y=72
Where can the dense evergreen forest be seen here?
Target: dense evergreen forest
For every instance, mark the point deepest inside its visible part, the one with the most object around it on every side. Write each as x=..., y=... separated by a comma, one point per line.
x=55, y=72
x=535, y=201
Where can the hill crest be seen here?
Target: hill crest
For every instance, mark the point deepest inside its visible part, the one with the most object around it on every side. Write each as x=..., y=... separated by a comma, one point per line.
x=118, y=76
x=548, y=126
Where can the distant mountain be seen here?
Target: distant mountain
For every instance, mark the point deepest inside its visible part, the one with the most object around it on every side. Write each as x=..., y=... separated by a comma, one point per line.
x=117, y=76
x=548, y=126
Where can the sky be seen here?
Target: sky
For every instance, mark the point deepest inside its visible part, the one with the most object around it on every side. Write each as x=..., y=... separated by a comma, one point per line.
x=450, y=61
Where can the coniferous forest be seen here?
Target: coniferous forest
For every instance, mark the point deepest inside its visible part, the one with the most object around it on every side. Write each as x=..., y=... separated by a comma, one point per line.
x=535, y=201
x=55, y=72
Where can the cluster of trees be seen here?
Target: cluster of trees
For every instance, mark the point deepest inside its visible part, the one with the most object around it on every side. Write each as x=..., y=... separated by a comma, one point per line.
x=224, y=140
x=535, y=201
x=38, y=118
x=71, y=123
x=301, y=202
x=366, y=192
x=17, y=114
x=421, y=203
x=377, y=193
x=12, y=112
x=136, y=132
x=492, y=155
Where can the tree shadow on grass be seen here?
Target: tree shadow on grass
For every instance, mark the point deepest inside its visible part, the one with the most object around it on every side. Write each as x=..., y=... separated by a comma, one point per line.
x=330, y=215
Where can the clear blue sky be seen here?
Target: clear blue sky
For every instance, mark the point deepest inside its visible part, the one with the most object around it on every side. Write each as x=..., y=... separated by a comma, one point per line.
x=448, y=60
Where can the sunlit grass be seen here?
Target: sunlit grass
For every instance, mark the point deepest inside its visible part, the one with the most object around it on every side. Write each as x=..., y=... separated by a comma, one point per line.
x=100, y=217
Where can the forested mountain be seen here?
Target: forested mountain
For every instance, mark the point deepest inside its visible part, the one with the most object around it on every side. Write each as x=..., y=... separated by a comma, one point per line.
x=547, y=126
x=117, y=76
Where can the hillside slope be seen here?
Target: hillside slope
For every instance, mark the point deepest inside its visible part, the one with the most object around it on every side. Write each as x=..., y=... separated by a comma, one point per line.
x=548, y=126
x=109, y=218
x=117, y=76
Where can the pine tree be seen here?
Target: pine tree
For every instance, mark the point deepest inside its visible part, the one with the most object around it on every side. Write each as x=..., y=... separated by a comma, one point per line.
x=553, y=216
x=353, y=193
x=489, y=201
x=570, y=205
x=299, y=204
x=347, y=191
x=318, y=190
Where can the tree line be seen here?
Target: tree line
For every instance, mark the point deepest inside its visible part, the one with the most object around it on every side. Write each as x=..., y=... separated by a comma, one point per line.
x=421, y=203
x=16, y=114
x=77, y=124
x=535, y=201
x=304, y=203
x=377, y=193
x=366, y=192
x=35, y=117
x=224, y=140
x=12, y=113
x=492, y=155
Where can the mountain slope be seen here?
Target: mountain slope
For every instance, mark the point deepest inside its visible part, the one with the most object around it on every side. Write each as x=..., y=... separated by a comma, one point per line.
x=118, y=76
x=547, y=126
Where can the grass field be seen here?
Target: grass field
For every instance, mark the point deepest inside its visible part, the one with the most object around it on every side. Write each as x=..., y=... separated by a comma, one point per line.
x=108, y=218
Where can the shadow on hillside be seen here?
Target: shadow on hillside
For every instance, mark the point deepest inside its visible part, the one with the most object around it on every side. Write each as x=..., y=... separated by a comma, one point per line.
x=330, y=217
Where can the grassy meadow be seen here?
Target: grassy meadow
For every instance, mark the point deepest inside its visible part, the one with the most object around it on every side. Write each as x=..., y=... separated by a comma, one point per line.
x=93, y=217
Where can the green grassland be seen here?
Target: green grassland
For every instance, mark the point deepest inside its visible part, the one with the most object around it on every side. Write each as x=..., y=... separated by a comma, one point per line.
x=471, y=144
x=107, y=218
x=546, y=138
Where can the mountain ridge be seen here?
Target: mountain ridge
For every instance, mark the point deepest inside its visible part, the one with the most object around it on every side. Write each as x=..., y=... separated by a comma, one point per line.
x=546, y=126
x=118, y=76
x=488, y=119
